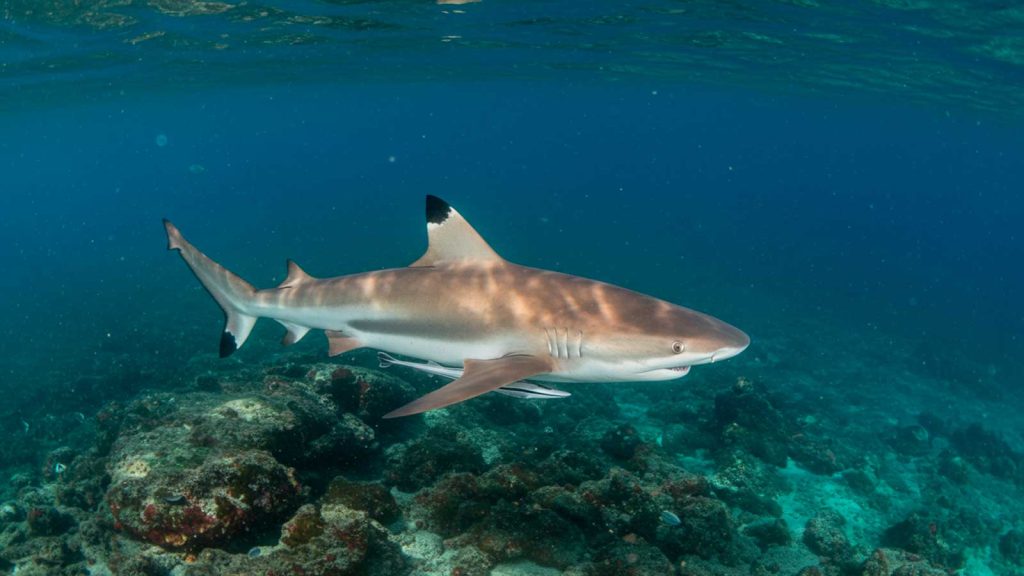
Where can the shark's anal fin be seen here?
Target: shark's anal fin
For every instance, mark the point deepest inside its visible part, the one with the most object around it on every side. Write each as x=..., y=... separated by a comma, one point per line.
x=451, y=239
x=338, y=343
x=479, y=377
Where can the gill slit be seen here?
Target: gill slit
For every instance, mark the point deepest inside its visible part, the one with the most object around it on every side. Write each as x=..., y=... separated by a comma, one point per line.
x=559, y=344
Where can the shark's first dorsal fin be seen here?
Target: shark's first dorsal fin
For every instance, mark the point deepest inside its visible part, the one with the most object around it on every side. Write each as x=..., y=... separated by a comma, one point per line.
x=295, y=276
x=451, y=239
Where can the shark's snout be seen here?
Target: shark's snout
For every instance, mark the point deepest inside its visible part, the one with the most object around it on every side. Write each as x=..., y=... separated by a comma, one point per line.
x=730, y=341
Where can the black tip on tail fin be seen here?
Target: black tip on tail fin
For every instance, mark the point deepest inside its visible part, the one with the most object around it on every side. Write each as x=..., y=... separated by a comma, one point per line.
x=437, y=210
x=227, y=344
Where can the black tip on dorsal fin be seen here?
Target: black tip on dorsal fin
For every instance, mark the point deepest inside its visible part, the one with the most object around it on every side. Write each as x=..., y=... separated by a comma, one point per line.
x=437, y=210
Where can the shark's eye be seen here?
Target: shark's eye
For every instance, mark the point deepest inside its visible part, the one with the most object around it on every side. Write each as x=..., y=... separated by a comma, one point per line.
x=678, y=347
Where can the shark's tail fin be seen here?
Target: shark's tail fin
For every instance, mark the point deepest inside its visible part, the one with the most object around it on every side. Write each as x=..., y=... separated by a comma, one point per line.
x=231, y=292
x=386, y=360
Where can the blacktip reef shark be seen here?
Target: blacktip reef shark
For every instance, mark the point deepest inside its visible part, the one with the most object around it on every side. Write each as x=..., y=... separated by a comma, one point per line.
x=527, y=390
x=463, y=304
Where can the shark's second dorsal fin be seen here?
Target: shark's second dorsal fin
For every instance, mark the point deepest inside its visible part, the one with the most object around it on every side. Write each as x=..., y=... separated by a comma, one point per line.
x=295, y=276
x=451, y=239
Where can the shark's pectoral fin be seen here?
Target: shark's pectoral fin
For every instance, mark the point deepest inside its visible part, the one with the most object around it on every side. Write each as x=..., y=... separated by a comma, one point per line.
x=338, y=343
x=479, y=377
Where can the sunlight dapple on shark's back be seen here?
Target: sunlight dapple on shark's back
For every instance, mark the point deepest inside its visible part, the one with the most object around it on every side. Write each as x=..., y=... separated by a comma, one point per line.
x=462, y=304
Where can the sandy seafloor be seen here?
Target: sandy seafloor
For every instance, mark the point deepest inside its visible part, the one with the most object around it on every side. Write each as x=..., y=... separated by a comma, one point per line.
x=865, y=461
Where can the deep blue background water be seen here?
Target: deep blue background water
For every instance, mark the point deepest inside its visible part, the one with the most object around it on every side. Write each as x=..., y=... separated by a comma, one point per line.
x=763, y=209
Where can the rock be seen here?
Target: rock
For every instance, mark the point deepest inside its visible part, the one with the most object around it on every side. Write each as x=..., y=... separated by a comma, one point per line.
x=744, y=418
x=747, y=482
x=889, y=562
x=632, y=557
x=706, y=530
x=332, y=541
x=470, y=561
x=305, y=525
x=511, y=531
x=818, y=455
x=862, y=480
x=954, y=468
x=372, y=498
x=769, y=533
x=209, y=505
x=368, y=394
x=570, y=467
x=11, y=512
x=913, y=440
x=625, y=506
x=569, y=503
x=510, y=481
x=453, y=504
x=349, y=441
x=930, y=536
x=988, y=452
x=622, y=442
x=1011, y=546
x=48, y=521
x=824, y=536
x=419, y=463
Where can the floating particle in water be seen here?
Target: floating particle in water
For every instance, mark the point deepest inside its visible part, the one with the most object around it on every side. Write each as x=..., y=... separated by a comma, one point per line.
x=59, y=468
x=670, y=519
x=255, y=552
x=197, y=168
x=161, y=140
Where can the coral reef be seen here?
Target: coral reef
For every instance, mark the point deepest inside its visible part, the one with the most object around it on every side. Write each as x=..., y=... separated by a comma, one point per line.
x=290, y=469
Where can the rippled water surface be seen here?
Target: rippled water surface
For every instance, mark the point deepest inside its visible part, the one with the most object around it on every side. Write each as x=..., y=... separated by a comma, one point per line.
x=955, y=54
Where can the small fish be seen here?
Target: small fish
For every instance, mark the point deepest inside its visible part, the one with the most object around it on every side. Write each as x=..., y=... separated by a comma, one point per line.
x=176, y=499
x=59, y=468
x=254, y=552
x=670, y=519
x=25, y=426
x=519, y=389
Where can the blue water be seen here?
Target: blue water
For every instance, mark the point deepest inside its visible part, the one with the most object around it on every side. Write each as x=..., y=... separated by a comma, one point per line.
x=760, y=207
x=842, y=182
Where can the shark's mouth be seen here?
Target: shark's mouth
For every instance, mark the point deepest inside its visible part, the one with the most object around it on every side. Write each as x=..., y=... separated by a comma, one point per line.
x=683, y=370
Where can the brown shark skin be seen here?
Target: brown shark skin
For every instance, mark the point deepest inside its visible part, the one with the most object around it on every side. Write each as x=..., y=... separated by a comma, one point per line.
x=468, y=301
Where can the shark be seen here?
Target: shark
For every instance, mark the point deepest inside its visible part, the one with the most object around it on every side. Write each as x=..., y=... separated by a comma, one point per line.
x=463, y=304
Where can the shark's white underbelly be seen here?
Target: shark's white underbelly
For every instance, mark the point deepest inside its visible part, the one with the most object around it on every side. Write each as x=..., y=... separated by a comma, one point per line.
x=411, y=336
x=451, y=351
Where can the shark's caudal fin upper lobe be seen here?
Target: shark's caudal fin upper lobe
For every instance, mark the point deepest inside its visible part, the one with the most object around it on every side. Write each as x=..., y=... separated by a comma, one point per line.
x=231, y=292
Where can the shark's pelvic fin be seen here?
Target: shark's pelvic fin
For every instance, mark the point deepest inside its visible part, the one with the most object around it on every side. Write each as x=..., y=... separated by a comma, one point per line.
x=480, y=377
x=294, y=334
x=295, y=276
x=231, y=292
x=338, y=343
x=451, y=238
